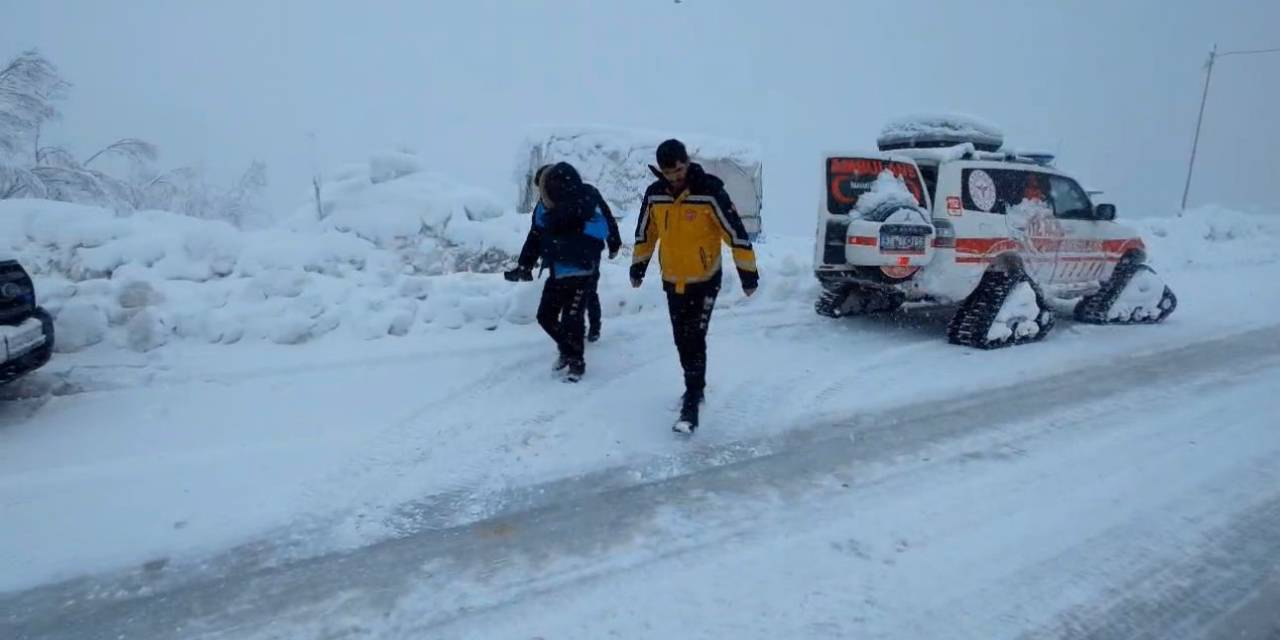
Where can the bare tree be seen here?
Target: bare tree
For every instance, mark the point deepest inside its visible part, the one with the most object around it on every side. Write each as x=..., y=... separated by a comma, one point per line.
x=71, y=185
x=29, y=85
x=132, y=149
x=240, y=204
x=17, y=182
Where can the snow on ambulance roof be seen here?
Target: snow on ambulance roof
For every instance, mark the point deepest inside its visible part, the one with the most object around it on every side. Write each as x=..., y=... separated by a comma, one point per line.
x=939, y=130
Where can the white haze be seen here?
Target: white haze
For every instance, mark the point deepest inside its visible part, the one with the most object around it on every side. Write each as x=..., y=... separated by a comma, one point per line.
x=1112, y=87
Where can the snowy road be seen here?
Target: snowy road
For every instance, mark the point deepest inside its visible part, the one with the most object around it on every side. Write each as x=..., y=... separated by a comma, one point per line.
x=1085, y=503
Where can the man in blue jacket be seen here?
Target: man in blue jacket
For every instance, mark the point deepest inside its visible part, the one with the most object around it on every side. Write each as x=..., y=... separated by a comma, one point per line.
x=568, y=233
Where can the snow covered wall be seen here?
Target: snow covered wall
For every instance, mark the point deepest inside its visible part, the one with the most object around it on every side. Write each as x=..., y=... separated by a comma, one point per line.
x=617, y=162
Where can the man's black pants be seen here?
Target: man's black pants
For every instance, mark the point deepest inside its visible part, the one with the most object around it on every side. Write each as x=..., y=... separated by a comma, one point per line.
x=560, y=314
x=593, y=302
x=690, y=317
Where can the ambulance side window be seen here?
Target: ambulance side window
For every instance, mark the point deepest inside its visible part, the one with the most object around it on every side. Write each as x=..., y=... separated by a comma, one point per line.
x=995, y=190
x=1069, y=200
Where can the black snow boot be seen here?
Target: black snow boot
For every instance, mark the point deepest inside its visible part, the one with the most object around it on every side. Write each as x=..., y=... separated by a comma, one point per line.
x=577, y=369
x=688, y=421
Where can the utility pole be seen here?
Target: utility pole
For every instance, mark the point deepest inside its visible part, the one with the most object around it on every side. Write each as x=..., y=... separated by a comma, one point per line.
x=1204, y=97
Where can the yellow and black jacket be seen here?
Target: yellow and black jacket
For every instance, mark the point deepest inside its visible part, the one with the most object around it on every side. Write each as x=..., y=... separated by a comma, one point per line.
x=687, y=229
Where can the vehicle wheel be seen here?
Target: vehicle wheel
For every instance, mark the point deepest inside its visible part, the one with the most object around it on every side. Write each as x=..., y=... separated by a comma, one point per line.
x=1006, y=309
x=853, y=301
x=1133, y=295
x=831, y=302
x=882, y=301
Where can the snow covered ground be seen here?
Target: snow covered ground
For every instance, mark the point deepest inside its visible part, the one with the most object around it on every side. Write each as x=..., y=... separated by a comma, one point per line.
x=160, y=469
x=1131, y=516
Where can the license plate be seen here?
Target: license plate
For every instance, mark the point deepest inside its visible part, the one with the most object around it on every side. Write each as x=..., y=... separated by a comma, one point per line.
x=902, y=244
x=23, y=339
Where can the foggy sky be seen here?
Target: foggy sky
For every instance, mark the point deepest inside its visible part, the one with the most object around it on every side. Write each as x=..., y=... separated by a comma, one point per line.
x=1111, y=86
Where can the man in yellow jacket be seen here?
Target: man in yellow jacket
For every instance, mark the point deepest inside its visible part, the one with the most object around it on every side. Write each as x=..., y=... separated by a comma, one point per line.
x=685, y=215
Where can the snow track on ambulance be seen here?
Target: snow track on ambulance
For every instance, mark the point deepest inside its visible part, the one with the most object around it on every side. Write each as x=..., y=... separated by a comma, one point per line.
x=542, y=539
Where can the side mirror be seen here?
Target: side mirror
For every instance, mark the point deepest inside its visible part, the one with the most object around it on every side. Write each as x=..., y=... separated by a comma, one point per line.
x=1104, y=212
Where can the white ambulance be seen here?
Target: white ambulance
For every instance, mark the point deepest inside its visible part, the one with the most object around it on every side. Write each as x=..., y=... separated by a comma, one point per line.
x=941, y=213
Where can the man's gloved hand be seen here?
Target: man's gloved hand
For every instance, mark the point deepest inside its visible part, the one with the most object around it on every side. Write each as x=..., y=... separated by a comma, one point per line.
x=613, y=253
x=518, y=274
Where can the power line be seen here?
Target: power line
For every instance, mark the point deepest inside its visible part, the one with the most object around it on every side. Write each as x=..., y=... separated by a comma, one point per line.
x=1248, y=52
x=1204, y=97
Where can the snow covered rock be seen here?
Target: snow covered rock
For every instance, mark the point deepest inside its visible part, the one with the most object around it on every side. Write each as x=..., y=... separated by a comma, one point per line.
x=147, y=330
x=138, y=294
x=79, y=325
x=391, y=165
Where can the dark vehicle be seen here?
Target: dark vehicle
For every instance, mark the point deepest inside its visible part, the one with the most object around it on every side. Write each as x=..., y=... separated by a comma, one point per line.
x=26, y=330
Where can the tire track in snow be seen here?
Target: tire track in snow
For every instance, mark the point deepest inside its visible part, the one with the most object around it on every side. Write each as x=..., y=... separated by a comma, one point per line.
x=477, y=489
x=581, y=516
x=401, y=444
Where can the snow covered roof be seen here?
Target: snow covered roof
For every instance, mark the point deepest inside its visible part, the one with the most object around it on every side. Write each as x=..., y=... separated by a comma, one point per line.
x=939, y=130
x=607, y=137
x=616, y=160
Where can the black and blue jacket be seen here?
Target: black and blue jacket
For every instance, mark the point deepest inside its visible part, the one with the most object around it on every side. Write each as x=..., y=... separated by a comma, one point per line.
x=569, y=235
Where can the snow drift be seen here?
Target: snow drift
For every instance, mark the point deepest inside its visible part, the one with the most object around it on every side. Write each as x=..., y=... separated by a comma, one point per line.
x=392, y=250
x=1210, y=236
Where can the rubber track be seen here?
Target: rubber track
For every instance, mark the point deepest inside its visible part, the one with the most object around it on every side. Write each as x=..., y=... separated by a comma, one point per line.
x=970, y=324
x=1094, y=309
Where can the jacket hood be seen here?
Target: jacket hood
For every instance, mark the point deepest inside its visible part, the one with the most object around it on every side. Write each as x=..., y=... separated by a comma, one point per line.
x=562, y=183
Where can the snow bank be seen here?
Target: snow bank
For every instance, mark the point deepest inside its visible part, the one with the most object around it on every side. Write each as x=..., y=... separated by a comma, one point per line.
x=364, y=264
x=395, y=204
x=397, y=251
x=393, y=258
x=1210, y=236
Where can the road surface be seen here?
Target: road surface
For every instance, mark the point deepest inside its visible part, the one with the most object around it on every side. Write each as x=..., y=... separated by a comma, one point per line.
x=1136, y=498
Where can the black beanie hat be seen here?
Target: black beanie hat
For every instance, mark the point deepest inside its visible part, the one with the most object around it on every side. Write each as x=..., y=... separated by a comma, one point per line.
x=671, y=152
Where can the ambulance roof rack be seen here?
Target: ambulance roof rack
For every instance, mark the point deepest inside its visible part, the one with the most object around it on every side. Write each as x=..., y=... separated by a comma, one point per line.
x=1021, y=157
x=965, y=151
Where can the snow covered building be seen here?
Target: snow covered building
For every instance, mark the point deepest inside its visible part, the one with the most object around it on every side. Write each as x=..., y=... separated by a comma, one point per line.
x=617, y=162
